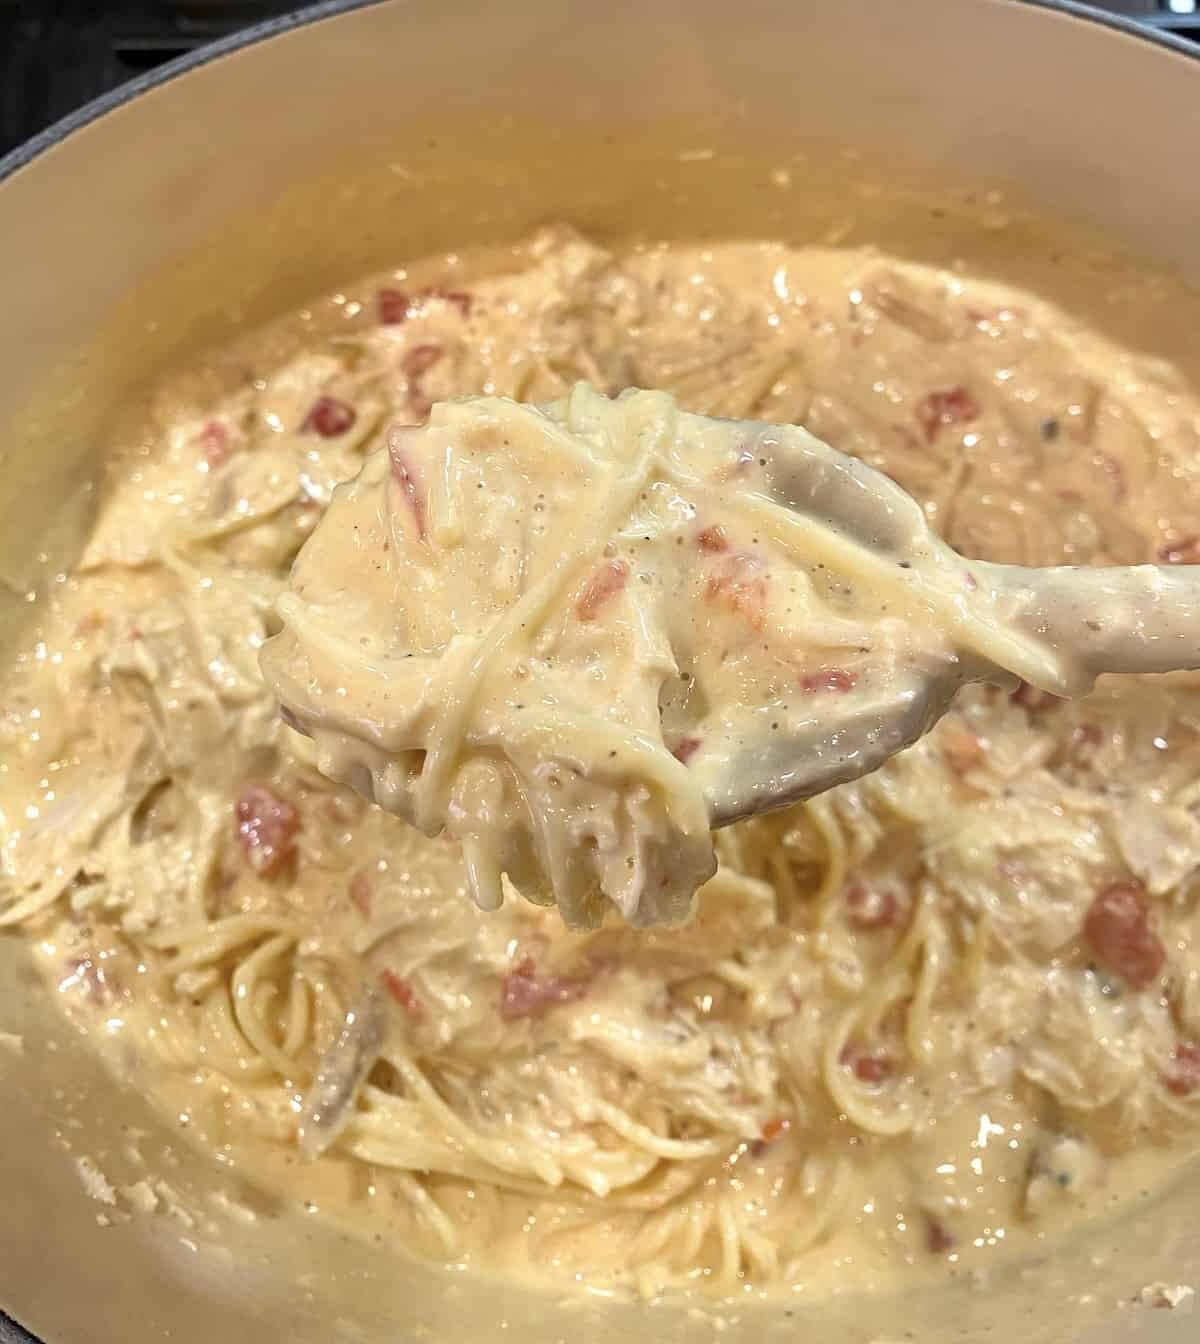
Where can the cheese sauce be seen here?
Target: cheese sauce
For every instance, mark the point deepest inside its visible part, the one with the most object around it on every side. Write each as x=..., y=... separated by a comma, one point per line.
x=559, y=632
x=937, y=1014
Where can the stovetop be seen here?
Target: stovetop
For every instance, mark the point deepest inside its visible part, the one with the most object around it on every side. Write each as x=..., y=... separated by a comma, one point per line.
x=56, y=55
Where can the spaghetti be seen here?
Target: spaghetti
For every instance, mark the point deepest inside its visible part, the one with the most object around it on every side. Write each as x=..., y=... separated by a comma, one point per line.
x=957, y=996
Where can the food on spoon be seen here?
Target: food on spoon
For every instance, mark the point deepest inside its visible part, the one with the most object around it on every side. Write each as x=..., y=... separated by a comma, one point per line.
x=561, y=632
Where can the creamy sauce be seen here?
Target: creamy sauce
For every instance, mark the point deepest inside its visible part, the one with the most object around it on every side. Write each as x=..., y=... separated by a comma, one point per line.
x=577, y=636
x=558, y=631
x=932, y=1016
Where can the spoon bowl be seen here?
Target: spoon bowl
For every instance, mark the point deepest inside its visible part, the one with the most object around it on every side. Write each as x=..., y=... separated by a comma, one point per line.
x=578, y=636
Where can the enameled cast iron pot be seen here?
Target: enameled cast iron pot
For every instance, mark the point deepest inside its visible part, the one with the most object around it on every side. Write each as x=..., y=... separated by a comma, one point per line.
x=353, y=136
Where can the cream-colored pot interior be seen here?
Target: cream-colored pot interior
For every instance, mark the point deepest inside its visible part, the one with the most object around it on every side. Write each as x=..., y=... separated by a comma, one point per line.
x=363, y=138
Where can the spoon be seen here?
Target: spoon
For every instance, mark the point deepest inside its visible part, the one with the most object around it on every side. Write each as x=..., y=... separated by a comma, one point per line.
x=579, y=636
x=1065, y=626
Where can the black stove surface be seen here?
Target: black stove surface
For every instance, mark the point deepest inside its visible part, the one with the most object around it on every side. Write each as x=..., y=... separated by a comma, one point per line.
x=56, y=55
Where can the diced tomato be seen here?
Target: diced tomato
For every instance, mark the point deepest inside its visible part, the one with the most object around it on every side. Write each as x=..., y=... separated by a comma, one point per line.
x=603, y=585
x=871, y=907
x=739, y=584
x=394, y=307
x=869, y=1066
x=397, y=306
x=686, y=748
x=402, y=992
x=1034, y=700
x=360, y=893
x=1117, y=929
x=405, y=475
x=775, y=1128
x=1182, y=1077
x=938, y=1237
x=215, y=439
x=524, y=994
x=415, y=364
x=1185, y=551
x=266, y=828
x=943, y=407
x=712, y=539
x=329, y=417
x=829, y=679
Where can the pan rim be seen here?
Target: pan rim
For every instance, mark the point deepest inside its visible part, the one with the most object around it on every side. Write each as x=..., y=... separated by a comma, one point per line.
x=25, y=154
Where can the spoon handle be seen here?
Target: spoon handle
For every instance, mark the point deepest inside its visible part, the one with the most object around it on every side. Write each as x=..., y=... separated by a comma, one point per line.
x=1138, y=618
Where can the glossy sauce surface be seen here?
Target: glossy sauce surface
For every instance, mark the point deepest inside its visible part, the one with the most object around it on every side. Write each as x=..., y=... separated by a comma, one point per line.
x=937, y=1013
x=560, y=633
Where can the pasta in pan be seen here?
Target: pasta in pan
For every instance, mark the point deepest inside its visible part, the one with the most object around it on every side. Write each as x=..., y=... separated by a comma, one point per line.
x=939, y=1012
x=576, y=636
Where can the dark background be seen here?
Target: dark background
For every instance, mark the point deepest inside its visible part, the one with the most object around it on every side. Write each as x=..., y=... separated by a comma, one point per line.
x=56, y=55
